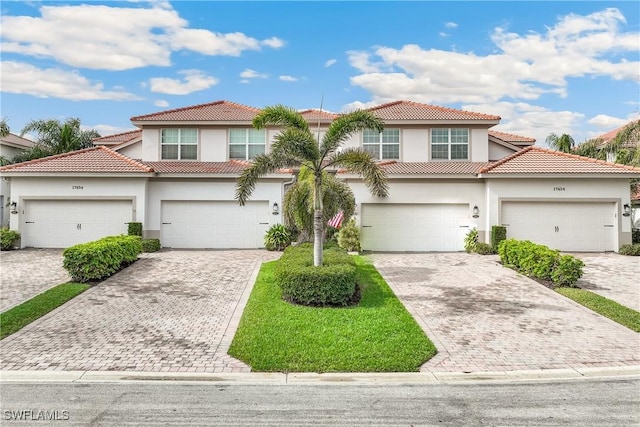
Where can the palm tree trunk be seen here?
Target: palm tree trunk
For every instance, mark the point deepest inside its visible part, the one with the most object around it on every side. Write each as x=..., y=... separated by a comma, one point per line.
x=318, y=226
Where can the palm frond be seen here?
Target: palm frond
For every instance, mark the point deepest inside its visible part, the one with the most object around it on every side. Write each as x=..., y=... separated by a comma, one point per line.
x=346, y=125
x=262, y=165
x=360, y=162
x=280, y=115
x=295, y=146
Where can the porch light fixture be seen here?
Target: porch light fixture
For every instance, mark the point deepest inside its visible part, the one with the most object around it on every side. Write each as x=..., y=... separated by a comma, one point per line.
x=14, y=207
x=626, y=210
x=476, y=212
x=276, y=209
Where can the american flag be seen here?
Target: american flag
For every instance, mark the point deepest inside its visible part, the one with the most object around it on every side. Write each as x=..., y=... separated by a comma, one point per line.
x=336, y=221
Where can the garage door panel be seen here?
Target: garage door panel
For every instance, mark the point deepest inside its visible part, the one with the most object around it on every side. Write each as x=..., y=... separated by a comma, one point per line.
x=414, y=227
x=565, y=226
x=214, y=224
x=64, y=223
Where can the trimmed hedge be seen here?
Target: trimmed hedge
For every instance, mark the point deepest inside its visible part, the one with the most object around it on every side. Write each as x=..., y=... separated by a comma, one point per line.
x=633, y=250
x=97, y=260
x=151, y=245
x=134, y=229
x=540, y=262
x=332, y=284
x=8, y=239
x=498, y=234
x=484, y=249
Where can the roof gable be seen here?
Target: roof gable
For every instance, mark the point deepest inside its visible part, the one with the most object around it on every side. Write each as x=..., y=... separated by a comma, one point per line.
x=536, y=160
x=90, y=160
x=14, y=140
x=118, y=138
x=214, y=111
x=410, y=110
x=511, y=138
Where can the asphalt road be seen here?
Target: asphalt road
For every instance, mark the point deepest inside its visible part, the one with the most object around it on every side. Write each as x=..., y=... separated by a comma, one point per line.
x=576, y=403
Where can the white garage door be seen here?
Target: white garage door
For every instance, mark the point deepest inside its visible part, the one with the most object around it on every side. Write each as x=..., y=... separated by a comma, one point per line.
x=64, y=223
x=561, y=225
x=215, y=225
x=414, y=227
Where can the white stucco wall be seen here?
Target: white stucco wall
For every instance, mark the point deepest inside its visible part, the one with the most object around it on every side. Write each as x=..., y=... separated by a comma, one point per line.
x=51, y=188
x=150, y=145
x=479, y=145
x=205, y=189
x=133, y=151
x=497, y=151
x=213, y=145
x=414, y=145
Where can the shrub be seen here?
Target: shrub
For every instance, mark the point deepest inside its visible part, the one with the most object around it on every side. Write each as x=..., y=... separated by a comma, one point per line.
x=101, y=258
x=635, y=235
x=134, y=229
x=8, y=239
x=540, y=262
x=484, y=248
x=332, y=284
x=349, y=237
x=277, y=238
x=151, y=245
x=498, y=234
x=471, y=241
x=633, y=250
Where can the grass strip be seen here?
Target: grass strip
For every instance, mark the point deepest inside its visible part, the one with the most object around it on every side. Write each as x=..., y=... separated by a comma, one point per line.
x=604, y=306
x=16, y=318
x=377, y=335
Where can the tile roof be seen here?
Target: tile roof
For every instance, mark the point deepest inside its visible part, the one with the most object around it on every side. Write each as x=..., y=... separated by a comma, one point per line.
x=90, y=160
x=433, y=168
x=214, y=111
x=410, y=110
x=118, y=138
x=512, y=138
x=178, y=167
x=13, y=139
x=536, y=160
x=608, y=137
x=312, y=115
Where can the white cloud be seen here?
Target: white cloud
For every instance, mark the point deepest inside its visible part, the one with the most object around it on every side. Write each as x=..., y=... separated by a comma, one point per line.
x=105, y=130
x=194, y=80
x=116, y=38
x=443, y=34
x=288, y=78
x=605, y=121
x=19, y=77
x=524, y=66
x=161, y=103
x=358, y=105
x=248, y=73
x=451, y=25
x=330, y=62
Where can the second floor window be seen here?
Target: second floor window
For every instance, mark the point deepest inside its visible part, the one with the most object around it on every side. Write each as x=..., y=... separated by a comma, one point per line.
x=245, y=144
x=179, y=144
x=450, y=144
x=383, y=145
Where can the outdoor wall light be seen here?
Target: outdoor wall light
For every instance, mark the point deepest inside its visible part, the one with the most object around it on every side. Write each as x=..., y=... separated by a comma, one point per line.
x=14, y=207
x=276, y=209
x=626, y=210
x=476, y=212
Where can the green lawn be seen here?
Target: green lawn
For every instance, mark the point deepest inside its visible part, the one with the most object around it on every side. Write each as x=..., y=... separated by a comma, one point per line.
x=377, y=335
x=18, y=317
x=604, y=306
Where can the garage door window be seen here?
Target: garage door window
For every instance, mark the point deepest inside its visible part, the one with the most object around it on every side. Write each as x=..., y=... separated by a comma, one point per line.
x=245, y=144
x=179, y=144
x=450, y=144
x=383, y=145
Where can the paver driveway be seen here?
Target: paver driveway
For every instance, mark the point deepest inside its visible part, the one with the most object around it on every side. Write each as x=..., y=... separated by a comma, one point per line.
x=27, y=273
x=169, y=311
x=484, y=317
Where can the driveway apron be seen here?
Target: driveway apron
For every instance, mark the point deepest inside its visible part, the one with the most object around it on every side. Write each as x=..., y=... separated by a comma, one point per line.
x=484, y=317
x=170, y=311
x=27, y=273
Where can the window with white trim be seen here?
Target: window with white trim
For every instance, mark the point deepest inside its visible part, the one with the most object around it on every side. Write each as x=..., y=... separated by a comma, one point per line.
x=450, y=144
x=383, y=145
x=245, y=144
x=179, y=144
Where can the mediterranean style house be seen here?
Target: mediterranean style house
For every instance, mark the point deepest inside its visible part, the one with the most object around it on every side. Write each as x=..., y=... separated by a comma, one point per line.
x=448, y=172
x=10, y=145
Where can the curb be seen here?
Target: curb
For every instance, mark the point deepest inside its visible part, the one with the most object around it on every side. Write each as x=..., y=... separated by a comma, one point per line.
x=277, y=378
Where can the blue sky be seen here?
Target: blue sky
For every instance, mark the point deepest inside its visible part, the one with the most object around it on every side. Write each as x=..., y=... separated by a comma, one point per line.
x=563, y=67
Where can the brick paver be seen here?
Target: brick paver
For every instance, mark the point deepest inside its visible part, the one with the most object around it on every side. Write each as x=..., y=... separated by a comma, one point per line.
x=27, y=273
x=171, y=311
x=484, y=317
x=613, y=276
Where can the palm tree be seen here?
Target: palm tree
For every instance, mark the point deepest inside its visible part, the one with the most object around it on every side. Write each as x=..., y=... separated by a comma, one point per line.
x=54, y=137
x=298, y=202
x=296, y=146
x=4, y=128
x=564, y=142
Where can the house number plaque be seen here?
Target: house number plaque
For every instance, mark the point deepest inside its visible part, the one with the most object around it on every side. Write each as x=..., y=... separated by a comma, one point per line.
x=77, y=187
x=558, y=189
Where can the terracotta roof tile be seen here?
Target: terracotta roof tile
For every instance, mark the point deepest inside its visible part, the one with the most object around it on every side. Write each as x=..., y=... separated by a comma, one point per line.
x=536, y=160
x=90, y=160
x=512, y=138
x=409, y=110
x=393, y=167
x=312, y=115
x=214, y=111
x=13, y=139
x=230, y=167
x=118, y=138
